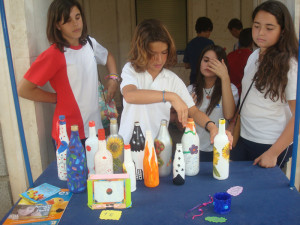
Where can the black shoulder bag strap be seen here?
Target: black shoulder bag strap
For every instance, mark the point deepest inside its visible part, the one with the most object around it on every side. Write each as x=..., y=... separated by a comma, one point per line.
x=246, y=96
x=89, y=41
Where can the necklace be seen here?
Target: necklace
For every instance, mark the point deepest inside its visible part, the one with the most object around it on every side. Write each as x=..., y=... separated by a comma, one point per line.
x=208, y=92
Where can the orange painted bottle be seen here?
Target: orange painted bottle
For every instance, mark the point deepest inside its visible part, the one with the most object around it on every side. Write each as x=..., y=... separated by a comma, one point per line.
x=151, y=172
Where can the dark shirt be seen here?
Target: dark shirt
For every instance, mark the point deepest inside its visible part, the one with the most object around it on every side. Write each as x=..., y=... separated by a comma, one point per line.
x=192, y=53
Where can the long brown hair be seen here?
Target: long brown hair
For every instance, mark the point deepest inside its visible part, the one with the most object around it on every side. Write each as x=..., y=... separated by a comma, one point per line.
x=146, y=32
x=200, y=84
x=58, y=10
x=271, y=75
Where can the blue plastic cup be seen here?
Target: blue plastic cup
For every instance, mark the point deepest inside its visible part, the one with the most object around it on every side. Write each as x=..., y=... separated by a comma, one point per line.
x=222, y=202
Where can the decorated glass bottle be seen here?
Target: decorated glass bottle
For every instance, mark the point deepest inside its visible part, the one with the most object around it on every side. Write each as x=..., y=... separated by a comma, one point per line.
x=221, y=153
x=190, y=144
x=61, y=151
x=128, y=167
x=137, y=144
x=115, y=145
x=151, y=172
x=103, y=157
x=76, y=163
x=91, y=147
x=163, y=148
x=178, y=166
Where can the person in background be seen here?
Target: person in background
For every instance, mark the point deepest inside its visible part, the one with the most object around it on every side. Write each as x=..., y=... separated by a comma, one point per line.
x=237, y=59
x=70, y=65
x=203, y=27
x=235, y=27
x=149, y=89
x=268, y=113
x=214, y=93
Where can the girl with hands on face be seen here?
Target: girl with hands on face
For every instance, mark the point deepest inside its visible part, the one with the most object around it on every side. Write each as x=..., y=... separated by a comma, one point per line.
x=213, y=94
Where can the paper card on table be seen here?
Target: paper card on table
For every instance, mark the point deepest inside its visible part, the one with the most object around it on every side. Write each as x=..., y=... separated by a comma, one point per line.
x=58, y=203
x=110, y=215
x=235, y=191
x=40, y=193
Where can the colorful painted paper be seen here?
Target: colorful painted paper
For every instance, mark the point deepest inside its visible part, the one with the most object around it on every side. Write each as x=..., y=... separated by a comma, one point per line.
x=215, y=219
x=109, y=191
x=235, y=191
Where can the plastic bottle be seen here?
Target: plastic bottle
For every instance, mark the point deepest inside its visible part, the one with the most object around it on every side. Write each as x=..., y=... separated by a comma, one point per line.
x=190, y=144
x=115, y=144
x=103, y=157
x=137, y=144
x=151, y=173
x=91, y=147
x=61, y=150
x=128, y=167
x=163, y=148
x=221, y=153
x=76, y=163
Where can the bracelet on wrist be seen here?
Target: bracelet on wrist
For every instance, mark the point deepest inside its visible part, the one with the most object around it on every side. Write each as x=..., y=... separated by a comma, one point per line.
x=164, y=100
x=113, y=76
x=207, y=124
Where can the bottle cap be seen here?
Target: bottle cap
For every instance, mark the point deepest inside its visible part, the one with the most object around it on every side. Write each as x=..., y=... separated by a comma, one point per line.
x=127, y=146
x=189, y=120
x=163, y=122
x=101, y=134
x=61, y=117
x=148, y=133
x=91, y=123
x=178, y=145
x=137, y=123
x=113, y=121
x=222, y=121
x=74, y=127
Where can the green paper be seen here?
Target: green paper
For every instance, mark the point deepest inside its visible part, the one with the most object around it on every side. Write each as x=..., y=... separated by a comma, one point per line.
x=128, y=193
x=215, y=219
x=90, y=193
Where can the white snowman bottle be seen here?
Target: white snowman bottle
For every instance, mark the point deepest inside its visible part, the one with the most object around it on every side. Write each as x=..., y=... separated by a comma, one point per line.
x=178, y=166
x=221, y=153
x=190, y=144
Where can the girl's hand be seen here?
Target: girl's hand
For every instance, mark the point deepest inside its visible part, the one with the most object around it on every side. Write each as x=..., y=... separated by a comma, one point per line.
x=230, y=138
x=111, y=86
x=213, y=131
x=180, y=107
x=266, y=160
x=219, y=68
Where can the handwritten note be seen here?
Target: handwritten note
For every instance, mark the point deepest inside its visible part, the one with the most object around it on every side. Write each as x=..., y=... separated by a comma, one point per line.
x=110, y=215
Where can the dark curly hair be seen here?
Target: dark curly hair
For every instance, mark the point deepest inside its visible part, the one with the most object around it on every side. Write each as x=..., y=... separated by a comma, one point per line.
x=271, y=76
x=203, y=24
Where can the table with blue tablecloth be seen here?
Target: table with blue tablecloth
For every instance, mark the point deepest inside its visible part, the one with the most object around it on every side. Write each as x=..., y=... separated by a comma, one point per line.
x=266, y=199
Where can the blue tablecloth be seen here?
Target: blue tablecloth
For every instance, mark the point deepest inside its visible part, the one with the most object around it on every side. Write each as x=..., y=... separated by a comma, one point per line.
x=266, y=199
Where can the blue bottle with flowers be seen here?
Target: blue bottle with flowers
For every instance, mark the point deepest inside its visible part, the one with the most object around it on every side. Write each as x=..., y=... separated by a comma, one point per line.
x=76, y=163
